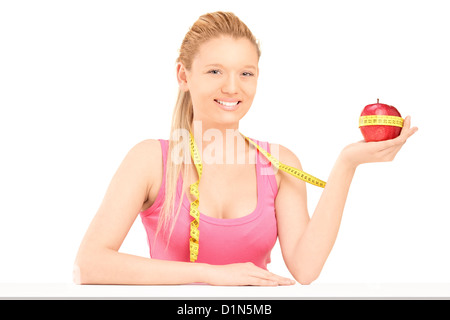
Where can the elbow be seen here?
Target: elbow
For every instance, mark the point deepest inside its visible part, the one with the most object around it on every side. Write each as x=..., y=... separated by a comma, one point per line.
x=84, y=269
x=92, y=266
x=305, y=281
x=306, y=278
x=76, y=274
x=80, y=272
x=307, y=272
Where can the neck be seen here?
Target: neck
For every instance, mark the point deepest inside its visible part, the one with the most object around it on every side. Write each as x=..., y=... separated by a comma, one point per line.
x=220, y=144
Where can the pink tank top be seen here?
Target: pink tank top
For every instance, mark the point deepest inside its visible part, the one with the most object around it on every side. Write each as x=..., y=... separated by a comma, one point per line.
x=222, y=241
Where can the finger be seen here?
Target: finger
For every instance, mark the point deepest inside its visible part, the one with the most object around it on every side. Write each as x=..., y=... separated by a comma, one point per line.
x=271, y=282
x=279, y=279
x=407, y=122
x=269, y=276
x=282, y=281
x=380, y=146
x=263, y=282
x=407, y=131
x=287, y=282
x=389, y=154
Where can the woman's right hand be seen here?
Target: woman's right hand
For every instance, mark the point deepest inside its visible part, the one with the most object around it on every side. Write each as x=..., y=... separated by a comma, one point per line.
x=244, y=274
x=381, y=151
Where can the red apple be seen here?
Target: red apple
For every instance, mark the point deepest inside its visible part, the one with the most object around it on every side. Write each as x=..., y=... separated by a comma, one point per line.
x=380, y=132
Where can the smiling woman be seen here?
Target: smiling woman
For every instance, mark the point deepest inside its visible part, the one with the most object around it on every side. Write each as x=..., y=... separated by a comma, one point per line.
x=245, y=205
x=229, y=85
x=217, y=72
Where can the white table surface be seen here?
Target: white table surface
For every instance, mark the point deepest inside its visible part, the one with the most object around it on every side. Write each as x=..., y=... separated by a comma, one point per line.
x=317, y=291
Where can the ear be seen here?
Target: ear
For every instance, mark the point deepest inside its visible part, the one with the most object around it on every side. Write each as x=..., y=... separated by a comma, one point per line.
x=182, y=77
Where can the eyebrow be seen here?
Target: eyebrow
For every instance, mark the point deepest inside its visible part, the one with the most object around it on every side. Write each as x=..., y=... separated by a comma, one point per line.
x=249, y=66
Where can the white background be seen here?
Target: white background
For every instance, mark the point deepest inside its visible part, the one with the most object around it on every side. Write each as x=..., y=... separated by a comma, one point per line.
x=81, y=82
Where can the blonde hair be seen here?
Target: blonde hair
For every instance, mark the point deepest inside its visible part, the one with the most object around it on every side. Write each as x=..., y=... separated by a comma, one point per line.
x=207, y=27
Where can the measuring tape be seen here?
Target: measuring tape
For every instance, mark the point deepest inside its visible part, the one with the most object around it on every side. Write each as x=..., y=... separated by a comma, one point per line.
x=380, y=120
x=195, y=213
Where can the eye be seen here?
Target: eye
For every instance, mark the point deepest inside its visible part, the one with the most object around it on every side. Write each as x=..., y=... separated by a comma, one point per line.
x=247, y=74
x=214, y=71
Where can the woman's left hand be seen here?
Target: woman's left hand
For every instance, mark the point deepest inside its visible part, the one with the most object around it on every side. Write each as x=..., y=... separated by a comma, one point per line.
x=381, y=151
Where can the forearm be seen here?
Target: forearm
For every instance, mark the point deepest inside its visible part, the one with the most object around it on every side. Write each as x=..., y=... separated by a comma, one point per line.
x=111, y=267
x=320, y=235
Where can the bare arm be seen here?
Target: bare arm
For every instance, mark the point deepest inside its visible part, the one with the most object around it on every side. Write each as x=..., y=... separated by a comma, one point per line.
x=99, y=261
x=306, y=243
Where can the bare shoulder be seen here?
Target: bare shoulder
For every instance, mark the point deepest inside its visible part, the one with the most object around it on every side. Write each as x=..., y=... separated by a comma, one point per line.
x=149, y=148
x=145, y=153
x=144, y=160
x=287, y=157
x=146, y=157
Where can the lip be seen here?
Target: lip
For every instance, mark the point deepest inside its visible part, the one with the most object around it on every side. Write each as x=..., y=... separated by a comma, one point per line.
x=227, y=108
x=228, y=100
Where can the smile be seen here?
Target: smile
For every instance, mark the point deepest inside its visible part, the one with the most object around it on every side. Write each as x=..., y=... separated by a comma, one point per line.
x=227, y=104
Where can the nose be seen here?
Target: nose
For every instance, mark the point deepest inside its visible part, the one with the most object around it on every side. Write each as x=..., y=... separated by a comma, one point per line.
x=230, y=85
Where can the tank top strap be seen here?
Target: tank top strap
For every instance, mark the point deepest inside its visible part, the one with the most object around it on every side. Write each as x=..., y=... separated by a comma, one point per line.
x=157, y=204
x=265, y=169
x=164, y=149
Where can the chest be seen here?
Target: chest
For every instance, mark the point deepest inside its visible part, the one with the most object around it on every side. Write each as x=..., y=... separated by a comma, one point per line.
x=226, y=192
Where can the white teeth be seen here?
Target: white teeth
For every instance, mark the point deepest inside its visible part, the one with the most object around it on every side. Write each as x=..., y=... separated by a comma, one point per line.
x=227, y=104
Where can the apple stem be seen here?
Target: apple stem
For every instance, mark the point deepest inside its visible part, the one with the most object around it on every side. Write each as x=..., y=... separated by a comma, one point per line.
x=378, y=100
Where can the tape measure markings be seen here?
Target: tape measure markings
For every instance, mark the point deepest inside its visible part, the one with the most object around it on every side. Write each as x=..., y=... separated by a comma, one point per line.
x=194, y=211
x=377, y=120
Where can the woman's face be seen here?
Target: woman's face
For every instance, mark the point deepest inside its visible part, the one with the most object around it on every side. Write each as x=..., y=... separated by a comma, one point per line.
x=222, y=80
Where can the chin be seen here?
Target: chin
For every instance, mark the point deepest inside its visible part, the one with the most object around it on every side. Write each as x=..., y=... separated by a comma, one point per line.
x=231, y=117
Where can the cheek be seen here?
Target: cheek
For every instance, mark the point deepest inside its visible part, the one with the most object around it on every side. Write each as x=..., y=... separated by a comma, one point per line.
x=200, y=94
x=250, y=95
x=249, y=88
x=205, y=90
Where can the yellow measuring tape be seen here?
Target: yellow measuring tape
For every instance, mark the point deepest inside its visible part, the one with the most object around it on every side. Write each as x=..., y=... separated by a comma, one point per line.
x=380, y=120
x=195, y=213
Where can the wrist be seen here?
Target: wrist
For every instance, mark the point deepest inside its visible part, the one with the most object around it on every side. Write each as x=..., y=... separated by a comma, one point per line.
x=347, y=161
x=204, y=272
